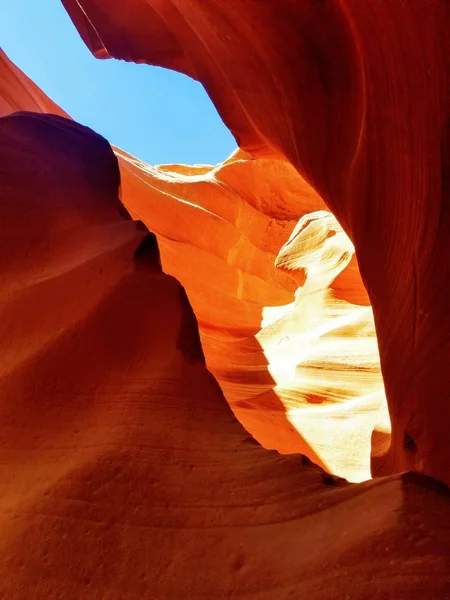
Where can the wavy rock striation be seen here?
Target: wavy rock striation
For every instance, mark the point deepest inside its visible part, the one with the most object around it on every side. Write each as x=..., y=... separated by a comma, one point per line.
x=301, y=372
x=124, y=473
x=354, y=95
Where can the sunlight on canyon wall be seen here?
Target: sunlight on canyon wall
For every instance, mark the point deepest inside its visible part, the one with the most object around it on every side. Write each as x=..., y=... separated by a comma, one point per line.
x=183, y=343
x=284, y=319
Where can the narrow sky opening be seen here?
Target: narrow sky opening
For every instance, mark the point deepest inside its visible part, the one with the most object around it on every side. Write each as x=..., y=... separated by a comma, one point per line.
x=158, y=115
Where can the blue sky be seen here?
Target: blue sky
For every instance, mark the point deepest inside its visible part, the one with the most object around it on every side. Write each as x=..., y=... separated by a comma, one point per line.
x=158, y=115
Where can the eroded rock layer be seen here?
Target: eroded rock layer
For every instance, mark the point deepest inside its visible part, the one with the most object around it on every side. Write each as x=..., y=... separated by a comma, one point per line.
x=123, y=472
x=289, y=336
x=354, y=95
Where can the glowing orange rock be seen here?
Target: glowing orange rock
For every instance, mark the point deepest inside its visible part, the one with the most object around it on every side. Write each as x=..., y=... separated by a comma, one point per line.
x=220, y=229
x=355, y=96
x=219, y=236
x=123, y=471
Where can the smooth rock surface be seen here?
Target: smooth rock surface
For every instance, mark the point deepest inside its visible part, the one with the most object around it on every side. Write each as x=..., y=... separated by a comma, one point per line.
x=289, y=337
x=355, y=96
x=123, y=472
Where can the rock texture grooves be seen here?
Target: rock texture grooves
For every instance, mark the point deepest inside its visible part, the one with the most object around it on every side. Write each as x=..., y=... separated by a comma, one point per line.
x=355, y=96
x=123, y=472
x=290, y=338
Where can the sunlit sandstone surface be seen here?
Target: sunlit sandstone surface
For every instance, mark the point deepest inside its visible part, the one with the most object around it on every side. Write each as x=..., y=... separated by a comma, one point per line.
x=284, y=318
x=125, y=473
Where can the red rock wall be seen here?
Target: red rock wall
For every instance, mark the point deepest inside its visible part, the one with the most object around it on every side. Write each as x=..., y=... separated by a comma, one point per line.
x=355, y=96
x=300, y=372
x=123, y=471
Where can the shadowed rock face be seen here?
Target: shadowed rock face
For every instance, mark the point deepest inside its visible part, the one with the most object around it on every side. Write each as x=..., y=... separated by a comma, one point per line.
x=287, y=333
x=354, y=96
x=124, y=473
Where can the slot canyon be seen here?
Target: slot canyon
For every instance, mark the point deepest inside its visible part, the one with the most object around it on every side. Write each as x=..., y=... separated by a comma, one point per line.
x=230, y=381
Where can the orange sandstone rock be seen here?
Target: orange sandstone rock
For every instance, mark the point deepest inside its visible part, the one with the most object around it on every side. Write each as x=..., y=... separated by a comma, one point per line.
x=218, y=235
x=19, y=93
x=303, y=379
x=354, y=95
x=123, y=471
